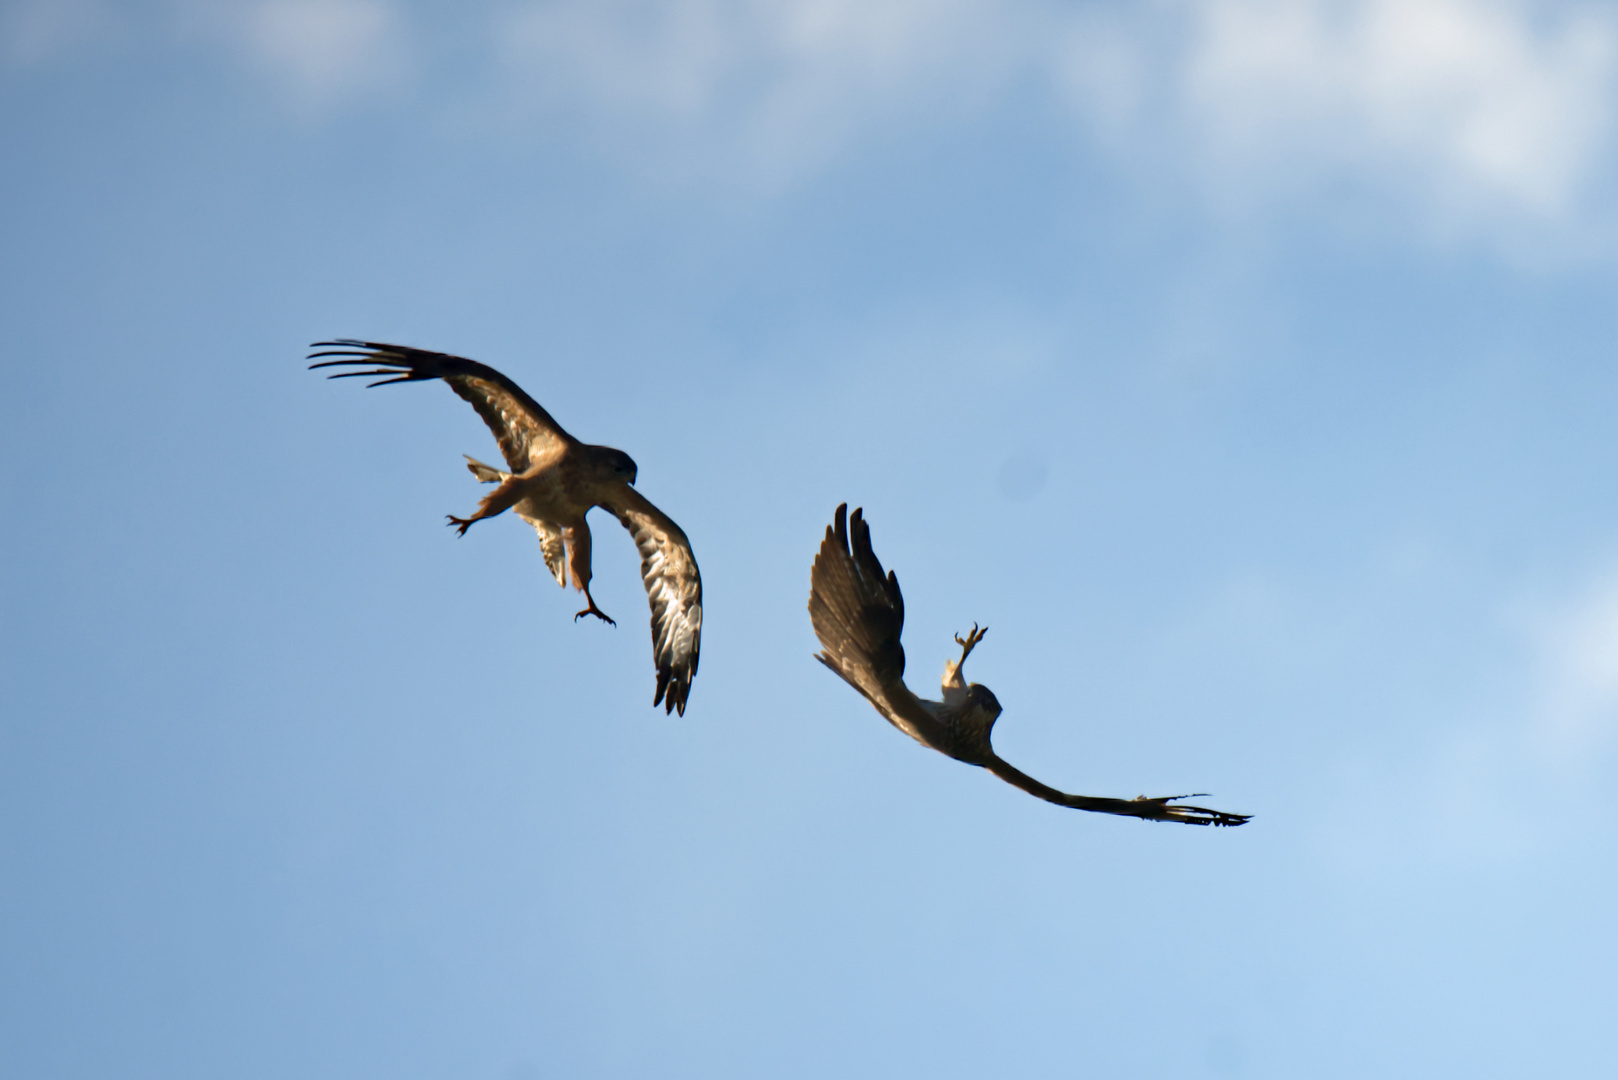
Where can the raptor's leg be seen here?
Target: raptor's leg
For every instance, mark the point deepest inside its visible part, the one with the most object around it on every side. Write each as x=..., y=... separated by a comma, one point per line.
x=578, y=561
x=968, y=643
x=954, y=684
x=498, y=501
x=593, y=610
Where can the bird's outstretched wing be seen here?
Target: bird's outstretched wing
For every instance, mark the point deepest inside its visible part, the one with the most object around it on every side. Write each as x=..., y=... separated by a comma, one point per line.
x=1162, y=809
x=858, y=614
x=525, y=431
x=673, y=588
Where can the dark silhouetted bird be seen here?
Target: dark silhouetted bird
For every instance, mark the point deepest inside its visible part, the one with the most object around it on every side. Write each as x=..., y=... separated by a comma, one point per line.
x=858, y=614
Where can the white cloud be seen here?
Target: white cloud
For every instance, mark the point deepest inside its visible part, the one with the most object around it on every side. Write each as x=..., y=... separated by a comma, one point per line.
x=777, y=86
x=1479, y=102
x=1478, y=117
x=1474, y=115
x=1469, y=110
x=319, y=52
x=33, y=32
x=1579, y=673
x=663, y=59
x=327, y=48
x=1105, y=65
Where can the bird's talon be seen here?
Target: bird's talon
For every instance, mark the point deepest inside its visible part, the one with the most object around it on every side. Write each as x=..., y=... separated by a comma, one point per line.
x=971, y=639
x=967, y=643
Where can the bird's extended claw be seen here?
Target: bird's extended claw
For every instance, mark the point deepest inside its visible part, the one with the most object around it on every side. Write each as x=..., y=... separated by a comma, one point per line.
x=970, y=641
x=461, y=524
x=598, y=613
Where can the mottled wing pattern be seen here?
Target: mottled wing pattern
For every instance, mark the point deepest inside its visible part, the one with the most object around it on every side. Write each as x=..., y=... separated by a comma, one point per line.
x=551, y=546
x=525, y=431
x=858, y=615
x=673, y=588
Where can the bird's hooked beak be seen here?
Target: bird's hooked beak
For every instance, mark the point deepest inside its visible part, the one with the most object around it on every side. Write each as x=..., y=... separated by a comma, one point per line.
x=623, y=466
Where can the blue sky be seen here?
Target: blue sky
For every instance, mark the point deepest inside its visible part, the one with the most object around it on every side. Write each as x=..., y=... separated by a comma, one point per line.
x=1245, y=365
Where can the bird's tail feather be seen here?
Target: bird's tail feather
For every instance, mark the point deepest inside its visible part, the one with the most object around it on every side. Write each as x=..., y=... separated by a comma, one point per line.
x=488, y=474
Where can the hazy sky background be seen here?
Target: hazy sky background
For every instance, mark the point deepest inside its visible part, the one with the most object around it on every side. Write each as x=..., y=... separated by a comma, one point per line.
x=1246, y=365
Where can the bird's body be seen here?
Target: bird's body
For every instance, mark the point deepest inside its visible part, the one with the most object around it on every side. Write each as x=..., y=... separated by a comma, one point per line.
x=553, y=496
x=858, y=615
x=552, y=481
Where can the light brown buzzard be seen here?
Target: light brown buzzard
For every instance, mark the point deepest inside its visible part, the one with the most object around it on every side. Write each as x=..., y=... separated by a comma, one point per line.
x=553, y=482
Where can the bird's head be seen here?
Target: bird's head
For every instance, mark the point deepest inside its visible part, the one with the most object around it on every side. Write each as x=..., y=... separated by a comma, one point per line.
x=981, y=697
x=618, y=464
x=972, y=725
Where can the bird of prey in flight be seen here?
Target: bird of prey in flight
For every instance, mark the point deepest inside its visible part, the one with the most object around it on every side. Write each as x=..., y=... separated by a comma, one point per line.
x=553, y=482
x=858, y=614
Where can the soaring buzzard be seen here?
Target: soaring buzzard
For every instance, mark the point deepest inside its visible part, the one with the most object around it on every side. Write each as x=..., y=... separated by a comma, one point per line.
x=858, y=614
x=554, y=481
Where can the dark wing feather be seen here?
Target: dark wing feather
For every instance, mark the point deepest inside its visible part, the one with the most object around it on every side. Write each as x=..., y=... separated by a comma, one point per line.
x=1162, y=809
x=858, y=615
x=673, y=588
x=525, y=431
